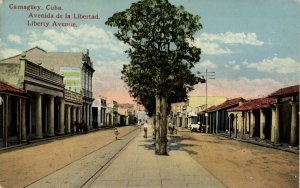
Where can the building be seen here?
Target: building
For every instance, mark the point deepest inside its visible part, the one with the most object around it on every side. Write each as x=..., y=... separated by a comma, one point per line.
x=112, y=116
x=43, y=112
x=77, y=71
x=285, y=114
x=272, y=119
x=252, y=119
x=12, y=115
x=185, y=113
x=216, y=116
x=73, y=110
x=126, y=113
x=99, y=112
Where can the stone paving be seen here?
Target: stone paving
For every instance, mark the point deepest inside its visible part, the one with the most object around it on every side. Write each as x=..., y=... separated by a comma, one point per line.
x=131, y=162
x=138, y=166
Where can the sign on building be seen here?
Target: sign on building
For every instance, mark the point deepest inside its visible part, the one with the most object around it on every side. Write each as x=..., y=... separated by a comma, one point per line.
x=72, y=78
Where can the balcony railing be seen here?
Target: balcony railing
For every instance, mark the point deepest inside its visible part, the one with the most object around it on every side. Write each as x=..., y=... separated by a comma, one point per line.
x=73, y=96
x=87, y=93
x=41, y=72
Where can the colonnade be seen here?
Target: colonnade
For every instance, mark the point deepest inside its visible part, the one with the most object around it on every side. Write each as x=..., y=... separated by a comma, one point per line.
x=49, y=116
x=276, y=117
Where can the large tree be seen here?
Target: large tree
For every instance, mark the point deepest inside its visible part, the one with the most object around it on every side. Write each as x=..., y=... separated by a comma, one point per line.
x=159, y=36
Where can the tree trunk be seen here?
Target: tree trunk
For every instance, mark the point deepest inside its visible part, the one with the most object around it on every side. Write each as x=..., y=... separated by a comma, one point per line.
x=161, y=126
x=154, y=127
x=157, y=123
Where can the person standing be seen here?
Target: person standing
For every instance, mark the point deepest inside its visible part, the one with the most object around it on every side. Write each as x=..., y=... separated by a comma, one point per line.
x=145, y=129
x=116, y=133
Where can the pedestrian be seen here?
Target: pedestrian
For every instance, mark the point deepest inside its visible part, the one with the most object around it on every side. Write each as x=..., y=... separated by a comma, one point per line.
x=116, y=133
x=145, y=129
x=139, y=123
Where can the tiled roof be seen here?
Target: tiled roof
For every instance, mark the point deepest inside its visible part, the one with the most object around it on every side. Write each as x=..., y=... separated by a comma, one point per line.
x=285, y=91
x=211, y=108
x=254, y=104
x=230, y=102
x=225, y=104
x=7, y=88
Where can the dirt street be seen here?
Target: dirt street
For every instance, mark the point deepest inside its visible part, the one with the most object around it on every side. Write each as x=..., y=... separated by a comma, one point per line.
x=23, y=166
x=239, y=164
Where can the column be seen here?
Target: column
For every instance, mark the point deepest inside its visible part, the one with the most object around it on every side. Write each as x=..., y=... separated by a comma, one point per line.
x=38, y=120
x=84, y=113
x=51, y=115
x=99, y=116
x=74, y=118
x=235, y=125
x=62, y=116
x=88, y=115
x=229, y=124
x=91, y=116
x=273, y=108
x=206, y=122
x=217, y=121
x=252, y=123
x=104, y=117
x=293, y=137
x=78, y=115
x=68, y=118
x=262, y=125
x=23, y=121
x=276, y=126
x=210, y=123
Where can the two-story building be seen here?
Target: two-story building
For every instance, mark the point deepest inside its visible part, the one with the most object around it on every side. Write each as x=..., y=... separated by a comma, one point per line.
x=77, y=71
x=43, y=112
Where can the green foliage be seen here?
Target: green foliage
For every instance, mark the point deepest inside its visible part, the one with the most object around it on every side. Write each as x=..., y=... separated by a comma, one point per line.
x=162, y=56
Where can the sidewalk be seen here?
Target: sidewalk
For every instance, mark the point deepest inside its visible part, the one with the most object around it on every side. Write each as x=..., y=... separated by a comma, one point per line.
x=138, y=166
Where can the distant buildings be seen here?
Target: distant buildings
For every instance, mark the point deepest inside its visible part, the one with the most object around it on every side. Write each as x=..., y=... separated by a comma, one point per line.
x=185, y=113
x=99, y=112
x=44, y=94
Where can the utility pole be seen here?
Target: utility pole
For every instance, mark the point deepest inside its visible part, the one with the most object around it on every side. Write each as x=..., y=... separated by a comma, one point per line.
x=208, y=76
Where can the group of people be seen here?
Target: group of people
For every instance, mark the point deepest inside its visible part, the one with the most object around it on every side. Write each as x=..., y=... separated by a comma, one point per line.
x=171, y=127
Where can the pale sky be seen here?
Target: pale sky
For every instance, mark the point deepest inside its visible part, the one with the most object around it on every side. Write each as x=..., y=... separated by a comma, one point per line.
x=252, y=46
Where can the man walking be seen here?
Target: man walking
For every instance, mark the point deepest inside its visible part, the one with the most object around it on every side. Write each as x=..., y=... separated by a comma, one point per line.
x=145, y=129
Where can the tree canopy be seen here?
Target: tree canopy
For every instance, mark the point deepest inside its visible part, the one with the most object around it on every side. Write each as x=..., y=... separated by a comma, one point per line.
x=159, y=36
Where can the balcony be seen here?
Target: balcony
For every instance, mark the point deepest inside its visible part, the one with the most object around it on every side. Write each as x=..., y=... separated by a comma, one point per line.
x=40, y=72
x=72, y=96
x=87, y=93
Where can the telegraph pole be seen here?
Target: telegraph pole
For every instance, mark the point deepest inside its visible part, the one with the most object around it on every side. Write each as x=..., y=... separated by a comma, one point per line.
x=208, y=76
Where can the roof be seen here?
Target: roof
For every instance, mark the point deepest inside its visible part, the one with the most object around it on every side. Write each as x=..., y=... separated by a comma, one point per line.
x=49, y=60
x=254, y=104
x=10, y=89
x=226, y=104
x=285, y=91
x=230, y=102
x=211, y=108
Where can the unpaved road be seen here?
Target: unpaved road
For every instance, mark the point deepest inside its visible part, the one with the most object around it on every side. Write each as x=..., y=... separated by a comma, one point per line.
x=239, y=164
x=25, y=165
x=235, y=164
